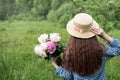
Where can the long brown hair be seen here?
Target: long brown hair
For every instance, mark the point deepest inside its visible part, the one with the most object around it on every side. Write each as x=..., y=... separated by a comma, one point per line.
x=83, y=56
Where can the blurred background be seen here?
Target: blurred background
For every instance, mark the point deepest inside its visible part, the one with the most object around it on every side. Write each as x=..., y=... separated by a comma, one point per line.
x=22, y=22
x=106, y=12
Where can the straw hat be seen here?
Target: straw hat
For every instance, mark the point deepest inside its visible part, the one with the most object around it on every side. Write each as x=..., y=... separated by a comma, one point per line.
x=80, y=26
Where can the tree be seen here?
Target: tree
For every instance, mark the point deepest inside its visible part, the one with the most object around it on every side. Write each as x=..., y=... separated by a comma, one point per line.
x=24, y=6
x=55, y=4
x=40, y=8
x=7, y=8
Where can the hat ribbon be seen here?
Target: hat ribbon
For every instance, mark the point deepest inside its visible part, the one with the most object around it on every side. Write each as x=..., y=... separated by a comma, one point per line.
x=81, y=30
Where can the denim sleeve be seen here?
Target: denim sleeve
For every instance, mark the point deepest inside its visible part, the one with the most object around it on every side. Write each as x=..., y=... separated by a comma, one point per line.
x=67, y=75
x=114, y=48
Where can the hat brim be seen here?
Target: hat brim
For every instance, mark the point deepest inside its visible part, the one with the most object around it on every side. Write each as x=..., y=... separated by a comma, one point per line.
x=71, y=30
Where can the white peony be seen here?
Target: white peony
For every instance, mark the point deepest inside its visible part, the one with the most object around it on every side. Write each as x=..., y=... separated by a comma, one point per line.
x=38, y=50
x=43, y=38
x=43, y=46
x=55, y=37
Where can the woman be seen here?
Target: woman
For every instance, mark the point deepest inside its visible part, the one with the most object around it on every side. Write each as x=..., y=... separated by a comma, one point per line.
x=85, y=56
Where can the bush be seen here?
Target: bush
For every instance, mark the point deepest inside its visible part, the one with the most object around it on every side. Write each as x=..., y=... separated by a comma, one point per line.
x=52, y=16
x=65, y=13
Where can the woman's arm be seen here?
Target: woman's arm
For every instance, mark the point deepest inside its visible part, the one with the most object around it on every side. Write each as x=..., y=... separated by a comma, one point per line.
x=113, y=48
x=67, y=75
x=54, y=63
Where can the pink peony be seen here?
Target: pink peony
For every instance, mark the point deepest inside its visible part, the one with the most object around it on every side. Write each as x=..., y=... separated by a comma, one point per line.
x=51, y=47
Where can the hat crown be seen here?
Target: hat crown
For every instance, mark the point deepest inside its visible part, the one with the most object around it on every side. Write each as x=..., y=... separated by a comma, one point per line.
x=83, y=21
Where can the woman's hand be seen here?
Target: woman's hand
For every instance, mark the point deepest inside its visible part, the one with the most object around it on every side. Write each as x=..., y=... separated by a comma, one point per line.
x=54, y=63
x=100, y=32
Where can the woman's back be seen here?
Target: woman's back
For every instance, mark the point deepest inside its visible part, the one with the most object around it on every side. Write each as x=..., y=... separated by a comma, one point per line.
x=83, y=56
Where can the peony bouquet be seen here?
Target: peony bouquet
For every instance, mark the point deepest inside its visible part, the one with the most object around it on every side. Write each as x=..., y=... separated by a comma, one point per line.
x=49, y=45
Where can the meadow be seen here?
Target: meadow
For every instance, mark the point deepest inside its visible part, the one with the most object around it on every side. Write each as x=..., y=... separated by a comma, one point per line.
x=18, y=60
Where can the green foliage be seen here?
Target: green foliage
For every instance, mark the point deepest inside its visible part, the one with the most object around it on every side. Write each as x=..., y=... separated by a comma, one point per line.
x=105, y=12
x=63, y=14
x=40, y=7
x=24, y=6
x=55, y=4
x=6, y=8
x=52, y=16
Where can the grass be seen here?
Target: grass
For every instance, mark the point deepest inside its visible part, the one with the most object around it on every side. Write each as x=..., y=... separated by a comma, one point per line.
x=18, y=60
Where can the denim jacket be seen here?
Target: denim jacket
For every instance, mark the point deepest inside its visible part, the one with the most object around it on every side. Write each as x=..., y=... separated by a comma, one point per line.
x=113, y=49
